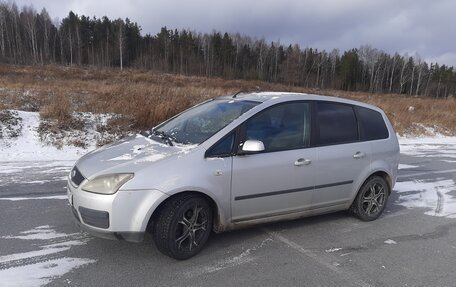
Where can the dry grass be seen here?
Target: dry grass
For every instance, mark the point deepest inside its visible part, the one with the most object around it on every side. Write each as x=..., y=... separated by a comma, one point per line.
x=147, y=97
x=57, y=107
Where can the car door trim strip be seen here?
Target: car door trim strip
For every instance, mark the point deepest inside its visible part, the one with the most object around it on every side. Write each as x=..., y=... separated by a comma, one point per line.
x=250, y=196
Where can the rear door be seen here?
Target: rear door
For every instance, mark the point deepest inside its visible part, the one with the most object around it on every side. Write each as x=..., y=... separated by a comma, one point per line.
x=280, y=179
x=341, y=157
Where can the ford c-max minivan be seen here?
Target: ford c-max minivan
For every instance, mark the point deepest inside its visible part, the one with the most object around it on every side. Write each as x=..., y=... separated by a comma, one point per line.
x=235, y=161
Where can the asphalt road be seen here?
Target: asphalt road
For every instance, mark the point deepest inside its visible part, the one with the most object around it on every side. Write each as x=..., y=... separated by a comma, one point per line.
x=406, y=246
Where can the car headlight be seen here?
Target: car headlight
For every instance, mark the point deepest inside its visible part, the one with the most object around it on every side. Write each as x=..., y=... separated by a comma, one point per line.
x=107, y=184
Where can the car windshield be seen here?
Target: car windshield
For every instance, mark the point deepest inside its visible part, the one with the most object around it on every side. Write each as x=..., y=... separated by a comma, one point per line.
x=197, y=124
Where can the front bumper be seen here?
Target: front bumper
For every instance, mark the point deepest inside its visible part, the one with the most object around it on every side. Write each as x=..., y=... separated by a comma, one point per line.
x=127, y=236
x=123, y=215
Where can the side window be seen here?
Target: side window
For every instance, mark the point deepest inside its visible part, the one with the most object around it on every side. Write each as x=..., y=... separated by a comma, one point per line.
x=372, y=125
x=222, y=148
x=282, y=127
x=336, y=123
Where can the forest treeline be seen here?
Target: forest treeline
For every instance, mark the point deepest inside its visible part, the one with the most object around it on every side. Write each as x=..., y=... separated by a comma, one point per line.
x=31, y=37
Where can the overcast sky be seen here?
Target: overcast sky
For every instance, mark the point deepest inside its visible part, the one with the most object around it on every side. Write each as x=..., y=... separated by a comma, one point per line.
x=423, y=27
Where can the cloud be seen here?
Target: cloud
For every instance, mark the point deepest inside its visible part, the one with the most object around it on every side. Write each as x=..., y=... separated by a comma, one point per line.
x=414, y=26
x=446, y=58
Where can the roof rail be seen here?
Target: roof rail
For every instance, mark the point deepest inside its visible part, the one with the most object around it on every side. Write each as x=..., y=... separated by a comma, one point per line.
x=257, y=90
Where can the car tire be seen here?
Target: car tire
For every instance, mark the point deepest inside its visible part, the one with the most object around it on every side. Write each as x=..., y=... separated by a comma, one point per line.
x=371, y=199
x=183, y=226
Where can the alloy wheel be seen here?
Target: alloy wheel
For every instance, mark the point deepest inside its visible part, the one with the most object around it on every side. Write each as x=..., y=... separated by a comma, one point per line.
x=373, y=199
x=191, y=228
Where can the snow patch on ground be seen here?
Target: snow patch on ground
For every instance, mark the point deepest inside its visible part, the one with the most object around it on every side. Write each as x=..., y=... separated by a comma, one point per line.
x=420, y=130
x=28, y=147
x=49, y=167
x=10, y=125
x=438, y=146
x=44, y=232
x=40, y=273
x=242, y=258
x=34, y=198
x=40, y=267
x=406, y=166
x=331, y=250
x=435, y=196
x=42, y=140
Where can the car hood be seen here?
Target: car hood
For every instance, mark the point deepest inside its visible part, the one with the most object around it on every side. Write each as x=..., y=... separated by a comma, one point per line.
x=128, y=155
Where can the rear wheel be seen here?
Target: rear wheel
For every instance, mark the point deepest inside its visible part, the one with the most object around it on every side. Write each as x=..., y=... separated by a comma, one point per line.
x=371, y=199
x=183, y=226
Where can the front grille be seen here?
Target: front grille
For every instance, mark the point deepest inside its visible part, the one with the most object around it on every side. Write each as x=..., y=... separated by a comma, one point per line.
x=76, y=176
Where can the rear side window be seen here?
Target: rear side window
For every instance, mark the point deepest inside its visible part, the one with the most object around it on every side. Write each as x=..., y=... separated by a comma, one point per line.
x=336, y=124
x=371, y=124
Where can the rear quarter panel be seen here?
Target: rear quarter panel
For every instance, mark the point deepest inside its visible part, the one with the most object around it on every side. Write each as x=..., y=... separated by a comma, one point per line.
x=384, y=158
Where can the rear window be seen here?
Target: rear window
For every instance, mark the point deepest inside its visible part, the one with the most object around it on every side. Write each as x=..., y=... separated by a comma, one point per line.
x=371, y=124
x=336, y=123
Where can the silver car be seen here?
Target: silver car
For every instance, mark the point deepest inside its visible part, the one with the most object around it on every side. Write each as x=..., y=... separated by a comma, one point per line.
x=235, y=161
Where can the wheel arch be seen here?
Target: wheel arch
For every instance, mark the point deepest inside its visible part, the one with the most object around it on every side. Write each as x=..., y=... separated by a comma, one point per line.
x=385, y=176
x=381, y=173
x=355, y=207
x=217, y=217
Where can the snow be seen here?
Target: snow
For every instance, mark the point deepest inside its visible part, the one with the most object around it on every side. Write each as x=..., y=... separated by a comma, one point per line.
x=438, y=139
x=137, y=149
x=24, y=255
x=426, y=146
x=152, y=158
x=126, y=156
x=152, y=152
x=332, y=250
x=38, y=233
x=40, y=267
x=34, y=197
x=438, y=147
x=48, y=167
x=244, y=257
x=435, y=196
x=40, y=273
x=406, y=166
x=27, y=146
x=46, y=250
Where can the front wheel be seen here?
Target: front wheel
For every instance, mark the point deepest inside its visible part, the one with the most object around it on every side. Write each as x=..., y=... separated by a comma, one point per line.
x=371, y=199
x=183, y=226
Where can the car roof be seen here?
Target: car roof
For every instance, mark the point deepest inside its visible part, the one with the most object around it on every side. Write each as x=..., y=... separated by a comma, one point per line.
x=263, y=97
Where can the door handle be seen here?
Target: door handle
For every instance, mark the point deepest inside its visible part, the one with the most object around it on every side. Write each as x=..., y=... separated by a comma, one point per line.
x=358, y=155
x=302, y=161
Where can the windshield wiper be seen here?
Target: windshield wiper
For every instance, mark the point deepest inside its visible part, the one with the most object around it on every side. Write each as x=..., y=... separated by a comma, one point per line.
x=164, y=136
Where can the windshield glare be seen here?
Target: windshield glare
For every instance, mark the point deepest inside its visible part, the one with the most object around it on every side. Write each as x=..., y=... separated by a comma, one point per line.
x=201, y=122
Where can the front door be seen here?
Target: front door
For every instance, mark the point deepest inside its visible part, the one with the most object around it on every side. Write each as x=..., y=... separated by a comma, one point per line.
x=280, y=179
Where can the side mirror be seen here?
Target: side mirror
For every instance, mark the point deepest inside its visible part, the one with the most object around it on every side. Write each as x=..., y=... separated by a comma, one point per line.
x=253, y=146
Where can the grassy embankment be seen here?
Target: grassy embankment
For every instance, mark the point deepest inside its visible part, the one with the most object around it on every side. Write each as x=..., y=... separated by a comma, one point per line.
x=145, y=98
